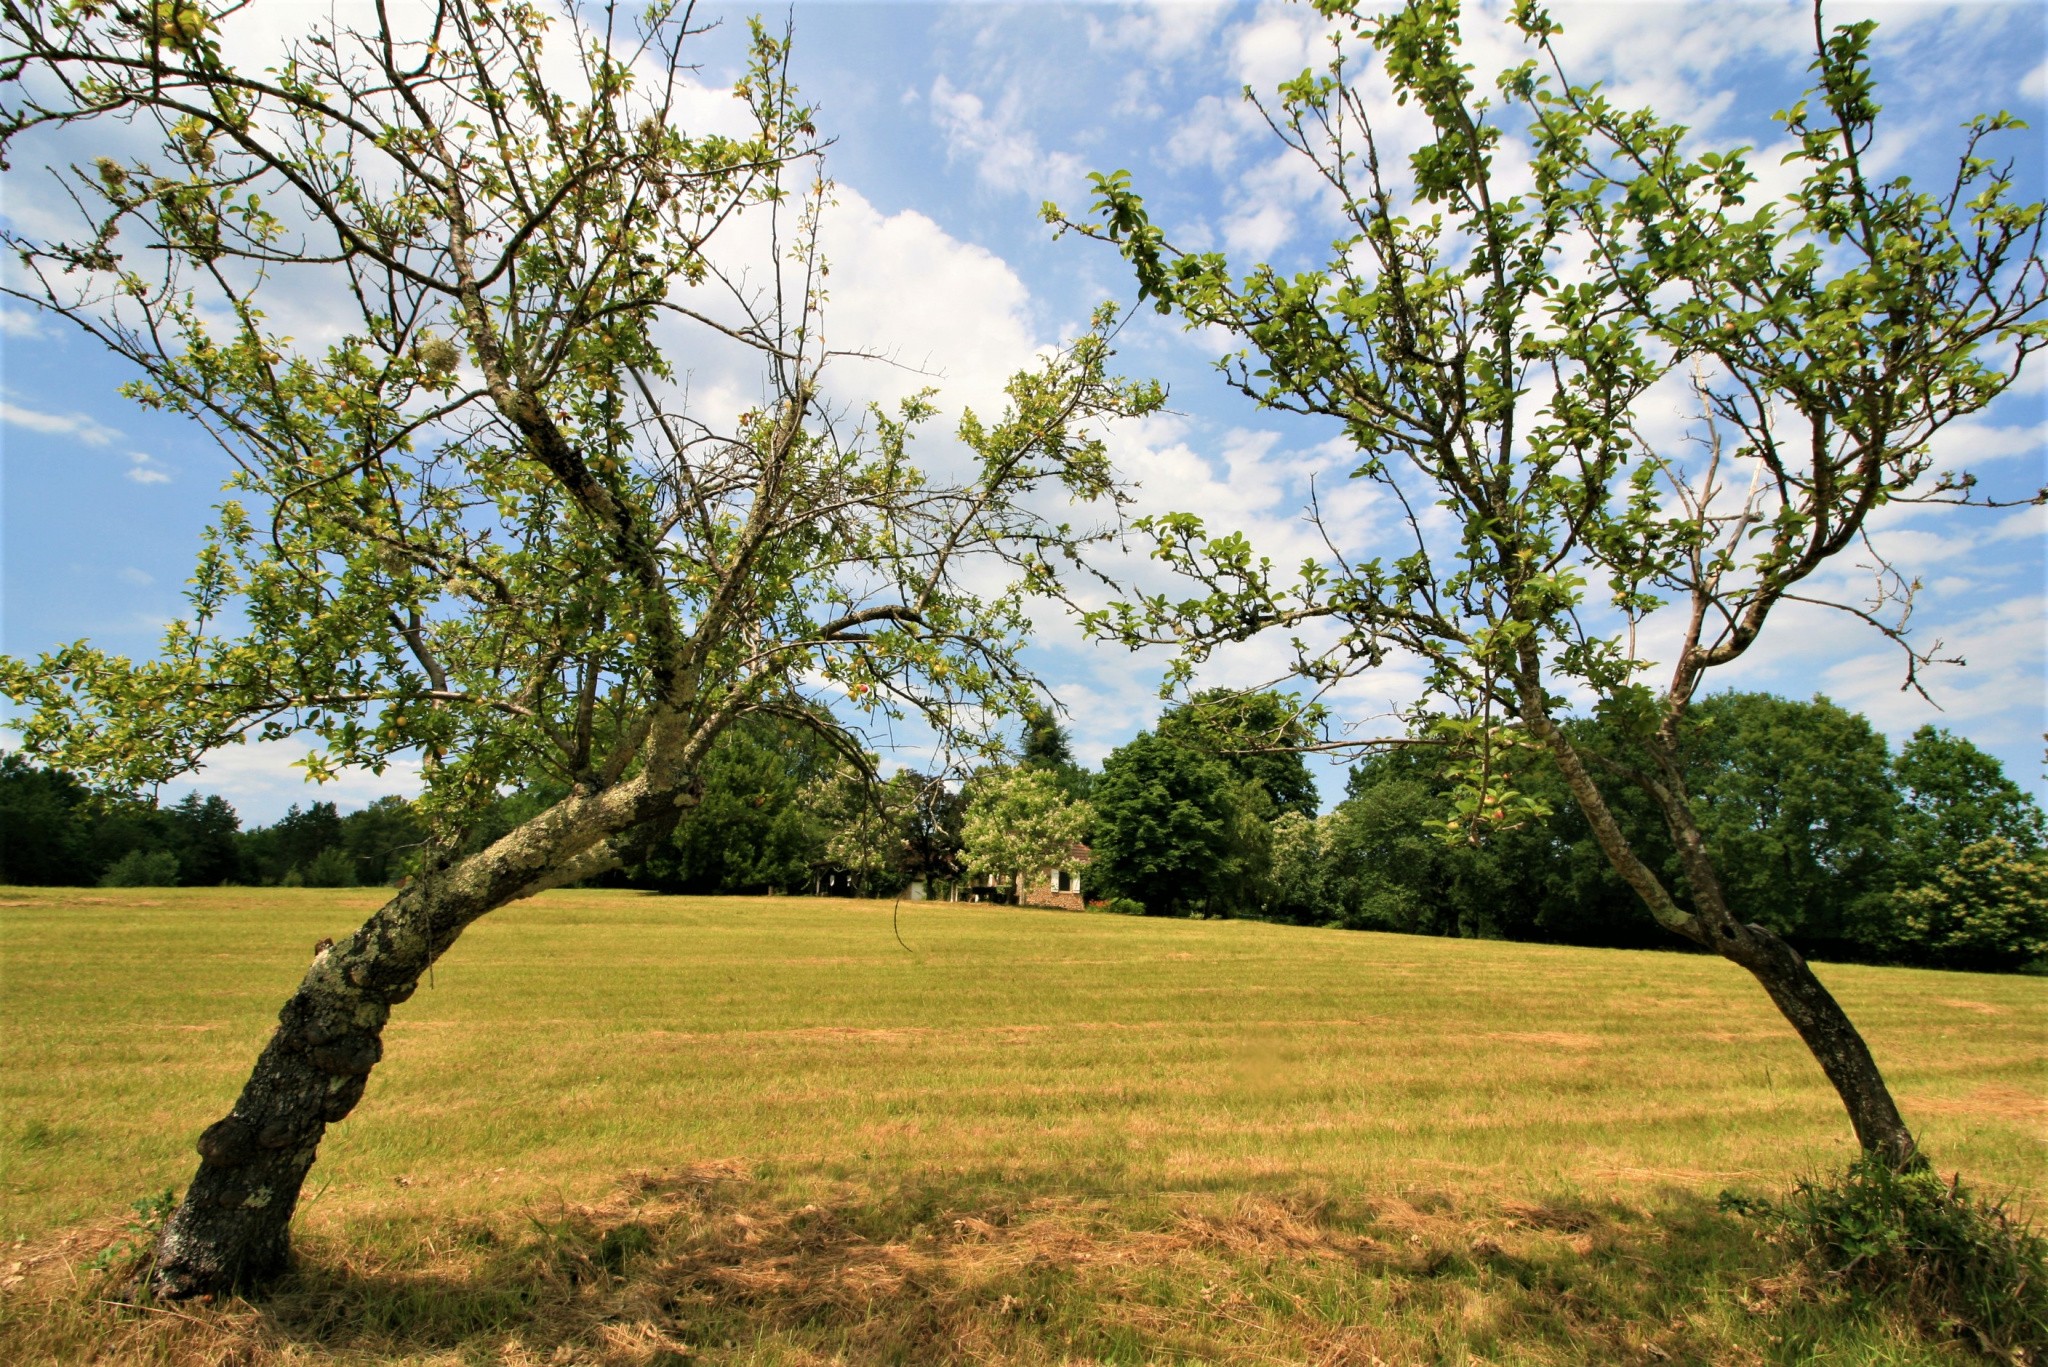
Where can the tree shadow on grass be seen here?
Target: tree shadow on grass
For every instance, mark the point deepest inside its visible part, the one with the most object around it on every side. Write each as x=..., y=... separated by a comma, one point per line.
x=709, y=1265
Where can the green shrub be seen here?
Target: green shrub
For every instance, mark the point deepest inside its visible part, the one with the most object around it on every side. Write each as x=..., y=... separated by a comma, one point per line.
x=135, y=1247
x=142, y=869
x=1986, y=909
x=1125, y=906
x=1959, y=1264
x=331, y=868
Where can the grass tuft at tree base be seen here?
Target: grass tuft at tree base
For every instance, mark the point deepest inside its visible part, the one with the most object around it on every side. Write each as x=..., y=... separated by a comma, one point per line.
x=1957, y=1263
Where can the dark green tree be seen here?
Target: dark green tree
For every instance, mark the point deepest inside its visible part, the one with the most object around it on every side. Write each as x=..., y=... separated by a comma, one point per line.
x=383, y=841
x=330, y=868
x=1954, y=795
x=752, y=830
x=1387, y=865
x=141, y=868
x=1559, y=885
x=934, y=816
x=1169, y=828
x=1258, y=736
x=1391, y=869
x=202, y=832
x=116, y=825
x=1046, y=745
x=1796, y=800
x=282, y=851
x=43, y=826
x=1964, y=892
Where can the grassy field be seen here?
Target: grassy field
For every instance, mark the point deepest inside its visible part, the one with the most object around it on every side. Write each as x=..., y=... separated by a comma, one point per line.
x=619, y=1128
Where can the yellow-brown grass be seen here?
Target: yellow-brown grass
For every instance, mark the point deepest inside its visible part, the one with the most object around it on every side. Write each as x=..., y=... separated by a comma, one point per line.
x=638, y=1130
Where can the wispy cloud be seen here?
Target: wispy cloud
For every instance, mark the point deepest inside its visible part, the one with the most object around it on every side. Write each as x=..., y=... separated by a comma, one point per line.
x=81, y=427
x=16, y=322
x=1213, y=133
x=1006, y=155
x=143, y=469
x=1161, y=34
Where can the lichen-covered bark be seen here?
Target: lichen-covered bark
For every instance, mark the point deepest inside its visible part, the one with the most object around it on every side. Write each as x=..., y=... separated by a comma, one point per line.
x=234, y=1226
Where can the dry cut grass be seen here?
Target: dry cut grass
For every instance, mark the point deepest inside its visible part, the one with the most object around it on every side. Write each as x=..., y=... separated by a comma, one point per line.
x=638, y=1130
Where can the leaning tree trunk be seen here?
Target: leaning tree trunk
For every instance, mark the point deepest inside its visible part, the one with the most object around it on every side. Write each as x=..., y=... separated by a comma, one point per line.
x=1837, y=1045
x=1800, y=997
x=233, y=1227
x=1834, y=1040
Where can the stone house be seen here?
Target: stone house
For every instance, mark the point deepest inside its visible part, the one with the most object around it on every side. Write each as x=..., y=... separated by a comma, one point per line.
x=1058, y=887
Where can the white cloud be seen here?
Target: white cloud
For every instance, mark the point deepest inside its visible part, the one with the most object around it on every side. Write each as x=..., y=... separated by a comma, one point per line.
x=1160, y=31
x=1972, y=442
x=1269, y=201
x=2022, y=524
x=1258, y=231
x=1007, y=157
x=1677, y=59
x=82, y=427
x=1213, y=133
x=1277, y=46
x=143, y=469
x=142, y=579
x=947, y=312
x=21, y=323
x=1995, y=698
x=2034, y=85
x=261, y=779
x=909, y=307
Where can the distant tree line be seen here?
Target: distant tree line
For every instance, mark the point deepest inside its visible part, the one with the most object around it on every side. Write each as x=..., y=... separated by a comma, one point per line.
x=783, y=811
x=54, y=831
x=1929, y=856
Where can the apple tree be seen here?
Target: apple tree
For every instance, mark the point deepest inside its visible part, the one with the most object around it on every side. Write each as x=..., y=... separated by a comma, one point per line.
x=477, y=514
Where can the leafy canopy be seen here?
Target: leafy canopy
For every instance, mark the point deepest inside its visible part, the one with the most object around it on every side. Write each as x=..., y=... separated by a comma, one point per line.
x=1503, y=308
x=476, y=513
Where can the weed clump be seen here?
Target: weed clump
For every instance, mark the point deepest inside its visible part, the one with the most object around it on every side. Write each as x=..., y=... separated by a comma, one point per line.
x=1956, y=1262
x=134, y=1251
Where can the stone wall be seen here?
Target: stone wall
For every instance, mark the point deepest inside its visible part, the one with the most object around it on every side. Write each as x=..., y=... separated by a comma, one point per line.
x=1047, y=897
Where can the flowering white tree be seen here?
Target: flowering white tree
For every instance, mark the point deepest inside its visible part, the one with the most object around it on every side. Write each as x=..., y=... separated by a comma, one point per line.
x=1019, y=822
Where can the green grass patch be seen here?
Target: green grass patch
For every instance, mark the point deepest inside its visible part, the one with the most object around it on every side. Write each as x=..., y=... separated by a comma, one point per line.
x=624, y=1128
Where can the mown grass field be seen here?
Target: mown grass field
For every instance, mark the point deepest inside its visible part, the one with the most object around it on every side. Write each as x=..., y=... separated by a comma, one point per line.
x=633, y=1129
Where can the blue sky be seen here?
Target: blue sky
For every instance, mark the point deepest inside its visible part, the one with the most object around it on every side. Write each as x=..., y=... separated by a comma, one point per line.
x=952, y=123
